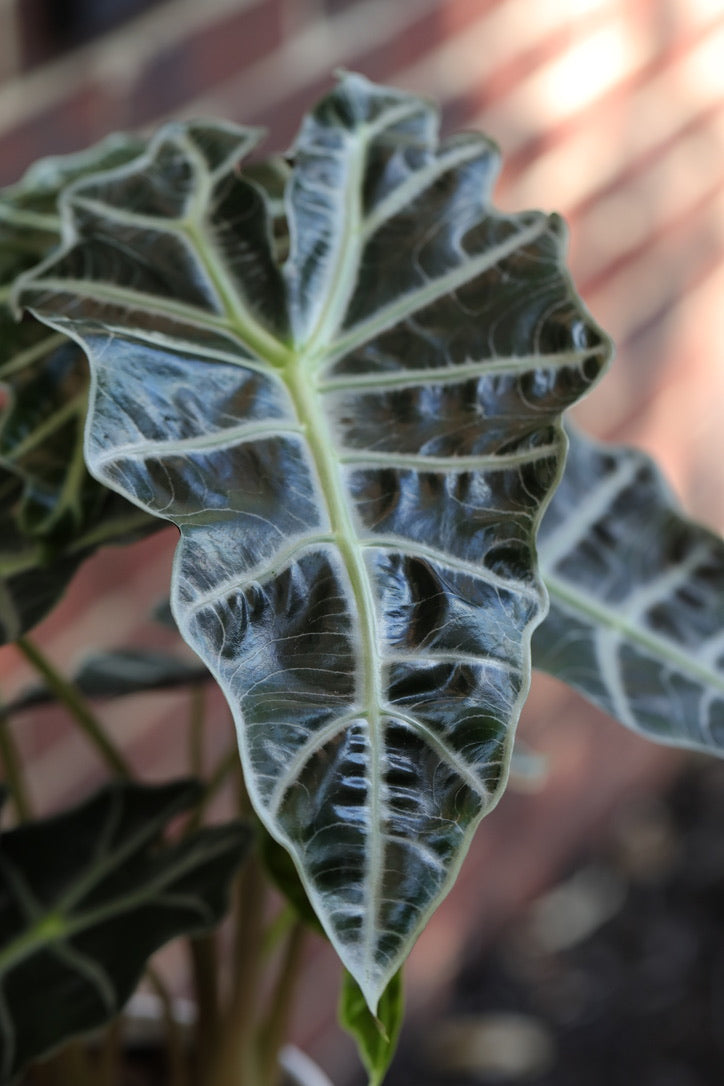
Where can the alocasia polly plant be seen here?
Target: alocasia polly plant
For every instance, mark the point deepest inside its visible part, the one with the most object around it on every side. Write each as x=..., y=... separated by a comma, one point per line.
x=342, y=375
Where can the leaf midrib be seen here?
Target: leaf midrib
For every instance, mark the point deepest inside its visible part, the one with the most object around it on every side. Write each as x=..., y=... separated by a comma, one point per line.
x=59, y=924
x=302, y=385
x=601, y=616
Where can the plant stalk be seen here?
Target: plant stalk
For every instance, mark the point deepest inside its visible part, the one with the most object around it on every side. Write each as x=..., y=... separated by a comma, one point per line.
x=196, y=731
x=70, y=697
x=236, y=1057
x=274, y=1029
x=70, y=1065
x=13, y=769
x=109, y=1056
x=177, y=1067
x=205, y=972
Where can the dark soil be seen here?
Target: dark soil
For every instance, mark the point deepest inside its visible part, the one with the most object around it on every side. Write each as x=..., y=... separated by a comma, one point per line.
x=613, y=978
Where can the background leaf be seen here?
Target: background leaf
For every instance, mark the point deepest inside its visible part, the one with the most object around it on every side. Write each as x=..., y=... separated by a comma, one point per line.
x=280, y=868
x=636, y=621
x=376, y=1036
x=356, y=445
x=35, y=571
x=87, y=896
x=121, y=673
x=53, y=514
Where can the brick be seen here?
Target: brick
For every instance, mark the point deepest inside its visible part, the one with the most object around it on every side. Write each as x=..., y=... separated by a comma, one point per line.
x=469, y=51
x=334, y=7
x=363, y=38
x=70, y=125
x=687, y=72
x=379, y=61
x=209, y=55
x=9, y=40
x=641, y=302
x=50, y=29
x=668, y=188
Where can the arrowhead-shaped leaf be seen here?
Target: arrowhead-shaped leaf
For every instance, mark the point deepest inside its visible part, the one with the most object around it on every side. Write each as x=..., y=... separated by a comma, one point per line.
x=356, y=441
x=636, y=621
x=86, y=897
x=53, y=513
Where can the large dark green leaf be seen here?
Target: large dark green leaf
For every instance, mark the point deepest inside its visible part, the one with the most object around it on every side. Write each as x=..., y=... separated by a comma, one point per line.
x=53, y=514
x=86, y=897
x=636, y=621
x=356, y=444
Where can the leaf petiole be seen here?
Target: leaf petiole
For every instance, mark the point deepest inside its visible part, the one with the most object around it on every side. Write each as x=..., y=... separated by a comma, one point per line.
x=71, y=698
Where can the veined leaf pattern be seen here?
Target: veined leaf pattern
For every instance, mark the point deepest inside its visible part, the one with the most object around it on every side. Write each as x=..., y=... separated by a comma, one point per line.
x=43, y=375
x=87, y=896
x=356, y=442
x=118, y=673
x=54, y=514
x=636, y=620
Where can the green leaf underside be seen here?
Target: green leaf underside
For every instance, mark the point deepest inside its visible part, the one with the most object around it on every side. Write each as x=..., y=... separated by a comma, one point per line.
x=356, y=445
x=636, y=620
x=86, y=897
x=54, y=514
x=377, y=1035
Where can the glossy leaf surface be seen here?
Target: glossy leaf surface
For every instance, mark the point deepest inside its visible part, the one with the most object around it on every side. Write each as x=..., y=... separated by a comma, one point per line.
x=353, y=416
x=636, y=621
x=86, y=897
x=53, y=514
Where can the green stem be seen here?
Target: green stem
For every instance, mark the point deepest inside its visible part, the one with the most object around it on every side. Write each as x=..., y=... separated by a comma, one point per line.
x=13, y=768
x=178, y=1072
x=215, y=782
x=202, y=950
x=196, y=731
x=274, y=1029
x=249, y=938
x=235, y=1063
x=69, y=696
x=248, y=929
x=109, y=1057
x=205, y=972
x=69, y=1065
x=280, y=926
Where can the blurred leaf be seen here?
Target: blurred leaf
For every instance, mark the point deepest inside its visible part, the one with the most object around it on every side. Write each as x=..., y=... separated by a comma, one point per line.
x=120, y=673
x=280, y=868
x=34, y=572
x=87, y=896
x=636, y=621
x=162, y=613
x=53, y=515
x=376, y=1036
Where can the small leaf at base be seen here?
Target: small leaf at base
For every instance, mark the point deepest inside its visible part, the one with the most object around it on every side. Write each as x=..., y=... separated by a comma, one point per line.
x=376, y=1036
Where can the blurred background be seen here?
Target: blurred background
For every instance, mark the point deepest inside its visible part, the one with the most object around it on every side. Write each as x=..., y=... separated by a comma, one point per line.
x=581, y=944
